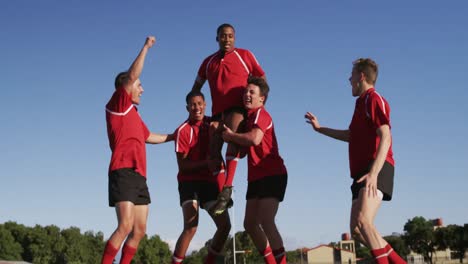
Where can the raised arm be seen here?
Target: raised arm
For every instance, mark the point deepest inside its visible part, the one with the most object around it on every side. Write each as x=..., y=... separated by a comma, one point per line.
x=155, y=138
x=252, y=138
x=197, y=85
x=135, y=69
x=342, y=135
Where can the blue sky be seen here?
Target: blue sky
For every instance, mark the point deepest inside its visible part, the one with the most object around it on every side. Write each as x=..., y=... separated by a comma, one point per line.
x=59, y=59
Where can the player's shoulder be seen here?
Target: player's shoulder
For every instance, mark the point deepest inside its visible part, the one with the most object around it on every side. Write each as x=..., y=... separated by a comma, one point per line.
x=375, y=96
x=184, y=128
x=263, y=113
x=242, y=51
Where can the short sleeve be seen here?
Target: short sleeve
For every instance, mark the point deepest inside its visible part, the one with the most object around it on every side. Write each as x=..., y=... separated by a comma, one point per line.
x=182, y=139
x=146, y=131
x=263, y=120
x=256, y=69
x=378, y=110
x=201, y=77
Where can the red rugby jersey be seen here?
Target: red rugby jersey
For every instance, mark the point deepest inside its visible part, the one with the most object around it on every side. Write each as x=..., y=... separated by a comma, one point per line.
x=264, y=160
x=192, y=138
x=227, y=77
x=371, y=112
x=127, y=133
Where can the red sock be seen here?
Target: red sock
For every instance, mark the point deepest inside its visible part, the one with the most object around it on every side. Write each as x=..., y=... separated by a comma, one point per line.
x=231, y=165
x=268, y=256
x=380, y=256
x=109, y=254
x=393, y=257
x=280, y=255
x=176, y=259
x=221, y=178
x=127, y=254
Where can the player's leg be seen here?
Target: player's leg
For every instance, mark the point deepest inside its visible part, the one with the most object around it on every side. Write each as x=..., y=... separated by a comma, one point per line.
x=125, y=219
x=272, y=192
x=268, y=207
x=138, y=232
x=190, y=214
x=363, y=216
x=216, y=141
x=223, y=226
x=253, y=228
x=233, y=121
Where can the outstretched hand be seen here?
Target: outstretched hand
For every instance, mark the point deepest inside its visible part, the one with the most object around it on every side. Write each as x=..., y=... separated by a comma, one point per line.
x=312, y=119
x=150, y=40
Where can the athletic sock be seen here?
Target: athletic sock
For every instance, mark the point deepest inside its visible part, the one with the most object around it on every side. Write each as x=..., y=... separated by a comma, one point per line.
x=393, y=257
x=268, y=256
x=176, y=259
x=280, y=255
x=380, y=256
x=231, y=165
x=109, y=253
x=127, y=254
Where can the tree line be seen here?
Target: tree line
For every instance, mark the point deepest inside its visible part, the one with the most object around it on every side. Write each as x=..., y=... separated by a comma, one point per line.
x=52, y=245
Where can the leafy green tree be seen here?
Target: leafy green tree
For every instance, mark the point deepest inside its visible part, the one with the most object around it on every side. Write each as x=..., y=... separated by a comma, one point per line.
x=20, y=234
x=398, y=244
x=420, y=238
x=453, y=237
x=295, y=256
x=197, y=256
x=152, y=250
x=9, y=248
x=45, y=244
x=81, y=248
x=362, y=251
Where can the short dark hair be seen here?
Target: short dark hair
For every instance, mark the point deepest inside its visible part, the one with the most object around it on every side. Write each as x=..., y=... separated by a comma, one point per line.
x=225, y=25
x=262, y=85
x=368, y=67
x=192, y=94
x=121, y=79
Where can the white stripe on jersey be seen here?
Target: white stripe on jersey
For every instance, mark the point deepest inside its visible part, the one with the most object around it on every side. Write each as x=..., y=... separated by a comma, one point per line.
x=258, y=114
x=178, y=136
x=381, y=100
x=120, y=114
x=242, y=61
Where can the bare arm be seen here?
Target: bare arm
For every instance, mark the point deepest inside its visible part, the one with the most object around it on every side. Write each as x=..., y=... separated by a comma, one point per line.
x=252, y=138
x=135, y=69
x=197, y=85
x=155, y=138
x=342, y=135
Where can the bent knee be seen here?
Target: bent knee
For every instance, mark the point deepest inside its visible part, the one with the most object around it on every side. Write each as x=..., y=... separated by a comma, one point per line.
x=125, y=228
x=355, y=233
x=363, y=224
